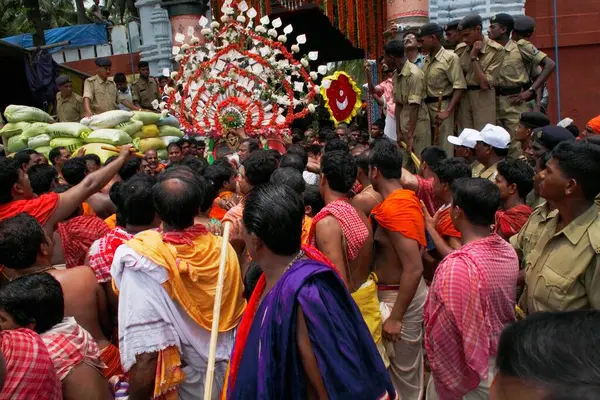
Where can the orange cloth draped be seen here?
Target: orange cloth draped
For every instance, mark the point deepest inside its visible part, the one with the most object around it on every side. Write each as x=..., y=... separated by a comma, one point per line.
x=594, y=124
x=445, y=226
x=169, y=374
x=111, y=357
x=306, y=225
x=217, y=212
x=193, y=269
x=111, y=221
x=88, y=210
x=401, y=212
x=40, y=208
x=191, y=258
x=510, y=222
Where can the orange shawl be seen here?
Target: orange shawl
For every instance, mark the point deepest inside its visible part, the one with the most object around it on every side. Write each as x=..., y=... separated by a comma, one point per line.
x=217, y=212
x=401, y=212
x=306, y=225
x=111, y=221
x=88, y=210
x=445, y=226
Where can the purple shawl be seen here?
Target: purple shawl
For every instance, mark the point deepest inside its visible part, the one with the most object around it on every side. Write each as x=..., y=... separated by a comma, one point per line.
x=348, y=360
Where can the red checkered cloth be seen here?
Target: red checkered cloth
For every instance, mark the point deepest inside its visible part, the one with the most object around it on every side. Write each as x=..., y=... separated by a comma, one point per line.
x=69, y=345
x=510, y=222
x=77, y=235
x=102, y=252
x=425, y=194
x=471, y=299
x=185, y=236
x=30, y=373
x=354, y=229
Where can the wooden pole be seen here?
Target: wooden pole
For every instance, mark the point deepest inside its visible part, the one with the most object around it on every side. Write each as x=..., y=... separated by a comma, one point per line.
x=214, y=332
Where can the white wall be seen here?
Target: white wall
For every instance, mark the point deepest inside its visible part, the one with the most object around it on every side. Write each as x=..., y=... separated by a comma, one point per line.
x=443, y=11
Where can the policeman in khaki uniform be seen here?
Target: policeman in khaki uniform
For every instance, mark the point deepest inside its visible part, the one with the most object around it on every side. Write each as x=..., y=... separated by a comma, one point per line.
x=69, y=105
x=452, y=35
x=412, y=117
x=491, y=147
x=561, y=249
x=444, y=83
x=145, y=89
x=481, y=63
x=100, y=93
x=514, y=86
x=541, y=65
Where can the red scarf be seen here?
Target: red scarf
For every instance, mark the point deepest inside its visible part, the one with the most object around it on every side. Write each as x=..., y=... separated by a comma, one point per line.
x=510, y=222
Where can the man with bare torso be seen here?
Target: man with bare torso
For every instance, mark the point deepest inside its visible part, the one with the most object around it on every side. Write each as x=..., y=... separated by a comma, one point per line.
x=344, y=235
x=399, y=238
x=368, y=198
x=84, y=297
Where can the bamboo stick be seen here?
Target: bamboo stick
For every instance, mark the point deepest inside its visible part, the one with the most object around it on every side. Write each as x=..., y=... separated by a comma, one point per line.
x=214, y=332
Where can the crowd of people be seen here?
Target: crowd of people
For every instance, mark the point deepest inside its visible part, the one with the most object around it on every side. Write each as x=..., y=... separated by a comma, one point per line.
x=350, y=270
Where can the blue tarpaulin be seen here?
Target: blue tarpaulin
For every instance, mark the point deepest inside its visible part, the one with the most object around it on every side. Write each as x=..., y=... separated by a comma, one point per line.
x=79, y=35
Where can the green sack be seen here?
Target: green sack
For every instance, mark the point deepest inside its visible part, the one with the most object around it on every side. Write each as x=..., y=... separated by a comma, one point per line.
x=13, y=129
x=45, y=150
x=15, y=113
x=130, y=127
x=168, y=130
x=33, y=130
x=146, y=117
x=67, y=129
x=115, y=137
x=163, y=154
x=70, y=143
x=108, y=119
x=16, y=143
x=39, y=141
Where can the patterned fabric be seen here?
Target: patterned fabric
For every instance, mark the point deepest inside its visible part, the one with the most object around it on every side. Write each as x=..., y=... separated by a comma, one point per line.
x=510, y=222
x=40, y=208
x=69, y=345
x=102, y=252
x=471, y=299
x=354, y=229
x=186, y=236
x=77, y=235
x=425, y=194
x=30, y=373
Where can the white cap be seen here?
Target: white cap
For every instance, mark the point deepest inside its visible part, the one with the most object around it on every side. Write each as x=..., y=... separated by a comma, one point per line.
x=495, y=136
x=565, y=122
x=466, y=138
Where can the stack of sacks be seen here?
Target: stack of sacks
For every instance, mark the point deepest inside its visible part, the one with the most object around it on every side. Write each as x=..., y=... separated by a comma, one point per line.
x=156, y=133
x=112, y=128
x=20, y=118
x=67, y=134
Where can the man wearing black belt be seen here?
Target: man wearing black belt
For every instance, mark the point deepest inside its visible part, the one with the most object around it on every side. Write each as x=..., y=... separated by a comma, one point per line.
x=444, y=83
x=514, y=82
x=481, y=63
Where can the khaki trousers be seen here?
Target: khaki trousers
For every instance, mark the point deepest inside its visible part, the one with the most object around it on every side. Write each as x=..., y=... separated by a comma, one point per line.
x=477, y=109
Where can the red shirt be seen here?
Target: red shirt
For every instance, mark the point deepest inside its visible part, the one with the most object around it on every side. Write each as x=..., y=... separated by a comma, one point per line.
x=41, y=208
x=425, y=194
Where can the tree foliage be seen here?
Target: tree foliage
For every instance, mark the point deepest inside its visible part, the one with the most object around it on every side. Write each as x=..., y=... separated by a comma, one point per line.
x=54, y=14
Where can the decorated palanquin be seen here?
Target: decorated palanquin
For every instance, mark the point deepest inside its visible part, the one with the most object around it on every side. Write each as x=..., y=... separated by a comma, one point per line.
x=240, y=80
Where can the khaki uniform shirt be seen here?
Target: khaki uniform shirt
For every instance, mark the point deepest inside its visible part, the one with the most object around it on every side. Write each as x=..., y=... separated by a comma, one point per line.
x=525, y=240
x=490, y=59
x=145, y=92
x=561, y=268
x=409, y=88
x=460, y=49
x=102, y=94
x=531, y=53
x=476, y=169
x=517, y=65
x=442, y=74
x=490, y=172
x=69, y=109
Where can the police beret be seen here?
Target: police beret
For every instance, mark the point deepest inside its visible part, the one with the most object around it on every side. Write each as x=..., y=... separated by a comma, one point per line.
x=503, y=19
x=525, y=24
x=470, y=21
x=61, y=80
x=429, y=29
x=103, y=62
x=534, y=119
x=550, y=136
x=452, y=25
